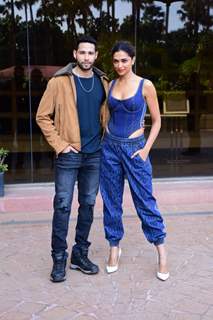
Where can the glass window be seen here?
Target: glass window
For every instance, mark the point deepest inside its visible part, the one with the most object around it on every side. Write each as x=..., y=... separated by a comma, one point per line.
x=174, y=45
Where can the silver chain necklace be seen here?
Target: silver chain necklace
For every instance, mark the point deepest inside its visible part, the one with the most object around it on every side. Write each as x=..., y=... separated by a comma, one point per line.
x=85, y=89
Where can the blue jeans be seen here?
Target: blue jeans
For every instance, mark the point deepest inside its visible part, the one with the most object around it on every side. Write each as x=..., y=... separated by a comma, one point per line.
x=116, y=163
x=69, y=168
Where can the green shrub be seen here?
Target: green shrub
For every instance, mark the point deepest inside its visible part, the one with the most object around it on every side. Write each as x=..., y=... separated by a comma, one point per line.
x=3, y=155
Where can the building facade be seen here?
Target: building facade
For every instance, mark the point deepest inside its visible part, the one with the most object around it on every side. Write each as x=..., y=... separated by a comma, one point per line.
x=37, y=38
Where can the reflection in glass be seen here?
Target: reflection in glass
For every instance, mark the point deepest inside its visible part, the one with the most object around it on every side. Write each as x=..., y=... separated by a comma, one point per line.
x=176, y=60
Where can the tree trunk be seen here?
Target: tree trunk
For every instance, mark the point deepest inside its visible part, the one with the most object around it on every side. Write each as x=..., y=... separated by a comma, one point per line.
x=167, y=17
x=13, y=35
x=113, y=16
x=31, y=13
x=101, y=9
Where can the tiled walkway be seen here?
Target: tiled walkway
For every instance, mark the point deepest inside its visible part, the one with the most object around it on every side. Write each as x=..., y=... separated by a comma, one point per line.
x=133, y=293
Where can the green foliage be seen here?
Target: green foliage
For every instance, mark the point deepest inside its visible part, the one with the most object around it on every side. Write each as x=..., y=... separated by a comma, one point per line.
x=167, y=59
x=3, y=154
x=189, y=66
x=105, y=60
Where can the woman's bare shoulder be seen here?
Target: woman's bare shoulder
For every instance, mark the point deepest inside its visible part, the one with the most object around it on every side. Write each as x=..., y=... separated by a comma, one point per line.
x=148, y=83
x=148, y=88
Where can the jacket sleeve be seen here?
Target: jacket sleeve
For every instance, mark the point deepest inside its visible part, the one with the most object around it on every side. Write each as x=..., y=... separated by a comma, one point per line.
x=44, y=117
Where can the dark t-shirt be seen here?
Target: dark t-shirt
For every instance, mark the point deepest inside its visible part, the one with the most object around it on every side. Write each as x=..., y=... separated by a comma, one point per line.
x=90, y=96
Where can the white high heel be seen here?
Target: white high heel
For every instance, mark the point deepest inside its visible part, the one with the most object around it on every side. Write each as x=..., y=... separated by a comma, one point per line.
x=111, y=269
x=163, y=276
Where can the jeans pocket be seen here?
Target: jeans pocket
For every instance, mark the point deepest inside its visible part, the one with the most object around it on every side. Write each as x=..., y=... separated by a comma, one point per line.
x=66, y=154
x=136, y=147
x=140, y=158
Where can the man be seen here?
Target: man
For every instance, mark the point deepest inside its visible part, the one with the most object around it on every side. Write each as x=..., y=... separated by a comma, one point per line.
x=71, y=115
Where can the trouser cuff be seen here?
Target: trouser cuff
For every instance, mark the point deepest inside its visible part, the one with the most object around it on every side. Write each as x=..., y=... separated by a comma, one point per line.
x=159, y=241
x=114, y=243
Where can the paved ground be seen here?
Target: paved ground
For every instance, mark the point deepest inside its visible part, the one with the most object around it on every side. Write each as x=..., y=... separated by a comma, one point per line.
x=133, y=293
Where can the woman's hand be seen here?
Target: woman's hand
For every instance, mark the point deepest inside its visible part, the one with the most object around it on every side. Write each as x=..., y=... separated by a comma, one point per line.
x=143, y=153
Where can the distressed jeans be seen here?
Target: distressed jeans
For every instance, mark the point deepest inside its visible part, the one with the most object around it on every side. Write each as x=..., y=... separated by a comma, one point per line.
x=69, y=168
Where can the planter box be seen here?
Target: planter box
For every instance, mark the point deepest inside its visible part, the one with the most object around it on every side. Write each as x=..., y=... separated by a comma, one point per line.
x=1, y=184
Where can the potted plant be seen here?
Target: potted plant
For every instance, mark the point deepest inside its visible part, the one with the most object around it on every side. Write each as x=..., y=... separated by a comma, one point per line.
x=3, y=168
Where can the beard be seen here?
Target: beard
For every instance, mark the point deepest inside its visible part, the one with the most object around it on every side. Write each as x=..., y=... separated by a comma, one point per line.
x=83, y=67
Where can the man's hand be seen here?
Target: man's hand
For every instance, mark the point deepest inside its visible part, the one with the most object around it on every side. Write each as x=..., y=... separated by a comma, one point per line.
x=68, y=149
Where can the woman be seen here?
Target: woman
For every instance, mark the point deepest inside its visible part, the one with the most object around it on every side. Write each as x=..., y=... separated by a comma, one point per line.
x=125, y=153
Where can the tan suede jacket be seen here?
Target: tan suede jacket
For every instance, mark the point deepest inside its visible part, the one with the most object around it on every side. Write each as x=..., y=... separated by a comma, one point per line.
x=57, y=114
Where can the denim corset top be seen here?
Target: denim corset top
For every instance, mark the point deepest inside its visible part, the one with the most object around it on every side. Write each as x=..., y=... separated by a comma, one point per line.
x=126, y=115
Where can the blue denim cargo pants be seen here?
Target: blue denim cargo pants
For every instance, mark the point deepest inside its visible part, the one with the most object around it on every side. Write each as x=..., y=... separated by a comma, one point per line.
x=116, y=164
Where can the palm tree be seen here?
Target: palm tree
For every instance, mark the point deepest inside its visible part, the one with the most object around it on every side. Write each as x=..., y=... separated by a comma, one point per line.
x=196, y=13
x=168, y=4
x=8, y=9
x=208, y=17
x=84, y=10
x=98, y=4
x=190, y=13
x=21, y=4
x=112, y=3
x=137, y=5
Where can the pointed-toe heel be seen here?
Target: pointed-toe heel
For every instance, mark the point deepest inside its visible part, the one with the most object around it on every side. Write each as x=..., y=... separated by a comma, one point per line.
x=111, y=269
x=163, y=276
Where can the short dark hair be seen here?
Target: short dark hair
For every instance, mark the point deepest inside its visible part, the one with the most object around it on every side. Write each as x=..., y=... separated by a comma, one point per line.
x=125, y=46
x=86, y=38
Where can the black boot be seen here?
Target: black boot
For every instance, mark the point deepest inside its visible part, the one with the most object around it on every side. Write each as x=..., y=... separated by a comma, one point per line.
x=80, y=261
x=58, y=273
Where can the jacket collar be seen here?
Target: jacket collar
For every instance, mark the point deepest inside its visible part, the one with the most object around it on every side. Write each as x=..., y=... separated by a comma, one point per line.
x=67, y=71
